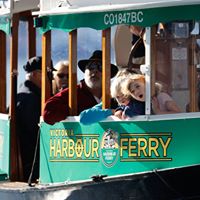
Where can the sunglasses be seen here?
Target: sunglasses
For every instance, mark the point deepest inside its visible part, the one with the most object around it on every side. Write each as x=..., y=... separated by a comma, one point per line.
x=94, y=65
x=62, y=75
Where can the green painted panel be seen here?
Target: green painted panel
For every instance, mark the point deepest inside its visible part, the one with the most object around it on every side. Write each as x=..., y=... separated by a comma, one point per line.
x=4, y=147
x=5, y=24
x=103, y=20
x=71, y=151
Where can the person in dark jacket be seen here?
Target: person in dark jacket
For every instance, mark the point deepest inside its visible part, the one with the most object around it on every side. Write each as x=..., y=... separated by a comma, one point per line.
x=89, y=91
x=28, y=112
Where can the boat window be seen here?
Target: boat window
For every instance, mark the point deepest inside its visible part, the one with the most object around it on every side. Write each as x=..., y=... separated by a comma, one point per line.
x=177, y=62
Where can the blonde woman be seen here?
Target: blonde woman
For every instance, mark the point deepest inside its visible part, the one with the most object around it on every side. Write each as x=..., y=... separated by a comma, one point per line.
x=129, y=106
x=162, y=103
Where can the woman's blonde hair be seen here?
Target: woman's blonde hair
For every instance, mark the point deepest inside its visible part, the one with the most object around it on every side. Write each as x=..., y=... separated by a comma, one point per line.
x=116, y=87
x=126, y=72
x=130, y=79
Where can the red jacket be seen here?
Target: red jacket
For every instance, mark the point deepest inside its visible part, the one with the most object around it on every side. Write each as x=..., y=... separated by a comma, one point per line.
x=56, y=108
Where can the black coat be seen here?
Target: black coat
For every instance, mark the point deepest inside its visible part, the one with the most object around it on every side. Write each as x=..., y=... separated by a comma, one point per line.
x=28, y=111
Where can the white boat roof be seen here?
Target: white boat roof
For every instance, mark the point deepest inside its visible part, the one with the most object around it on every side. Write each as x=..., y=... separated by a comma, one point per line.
x=8, y=7
x=51, y=7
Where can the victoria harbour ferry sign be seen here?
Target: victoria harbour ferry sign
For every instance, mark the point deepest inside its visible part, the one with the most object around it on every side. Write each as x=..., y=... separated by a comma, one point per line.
x=72, y=151
x=66, y=146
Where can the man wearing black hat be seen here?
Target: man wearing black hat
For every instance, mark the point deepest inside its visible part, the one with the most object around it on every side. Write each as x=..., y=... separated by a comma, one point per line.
x=28, y=112
x=89, y=91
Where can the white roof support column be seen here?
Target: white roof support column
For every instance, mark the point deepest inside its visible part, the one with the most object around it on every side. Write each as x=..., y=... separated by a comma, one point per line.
x=146, y=69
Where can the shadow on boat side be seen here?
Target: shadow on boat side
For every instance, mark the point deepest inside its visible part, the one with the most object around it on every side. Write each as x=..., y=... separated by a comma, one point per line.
x=179, y=183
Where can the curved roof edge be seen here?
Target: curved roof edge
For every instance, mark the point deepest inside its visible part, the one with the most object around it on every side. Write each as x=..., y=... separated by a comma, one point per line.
x=101, y=20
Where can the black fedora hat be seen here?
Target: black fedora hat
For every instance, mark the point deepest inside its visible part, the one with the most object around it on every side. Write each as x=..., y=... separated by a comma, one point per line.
x=96, y=56
x=35, y=63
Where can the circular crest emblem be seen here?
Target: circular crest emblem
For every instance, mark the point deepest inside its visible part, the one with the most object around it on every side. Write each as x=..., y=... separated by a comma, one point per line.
x=109, y=148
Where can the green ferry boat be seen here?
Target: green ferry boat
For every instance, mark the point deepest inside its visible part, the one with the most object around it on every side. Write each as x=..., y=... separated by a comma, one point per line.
x=146, y=157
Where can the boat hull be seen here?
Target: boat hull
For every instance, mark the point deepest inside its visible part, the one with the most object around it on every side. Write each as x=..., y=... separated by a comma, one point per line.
x=177, y=184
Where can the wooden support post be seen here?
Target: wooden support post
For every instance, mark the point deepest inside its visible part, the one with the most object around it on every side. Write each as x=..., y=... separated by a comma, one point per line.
x=27, y=16
x=46, y=62
x=106, y=68
x=2, y=72
x=31, y=38
x=73, y=72
x=14, y=151
x=192, y=78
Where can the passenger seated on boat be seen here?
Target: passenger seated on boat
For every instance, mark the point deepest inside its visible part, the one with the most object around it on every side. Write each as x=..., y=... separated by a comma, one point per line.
x=128, y=107
x=60, y=76
x=89, y=91
x=131, y=107
x=162, y=103
x=28, y=112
